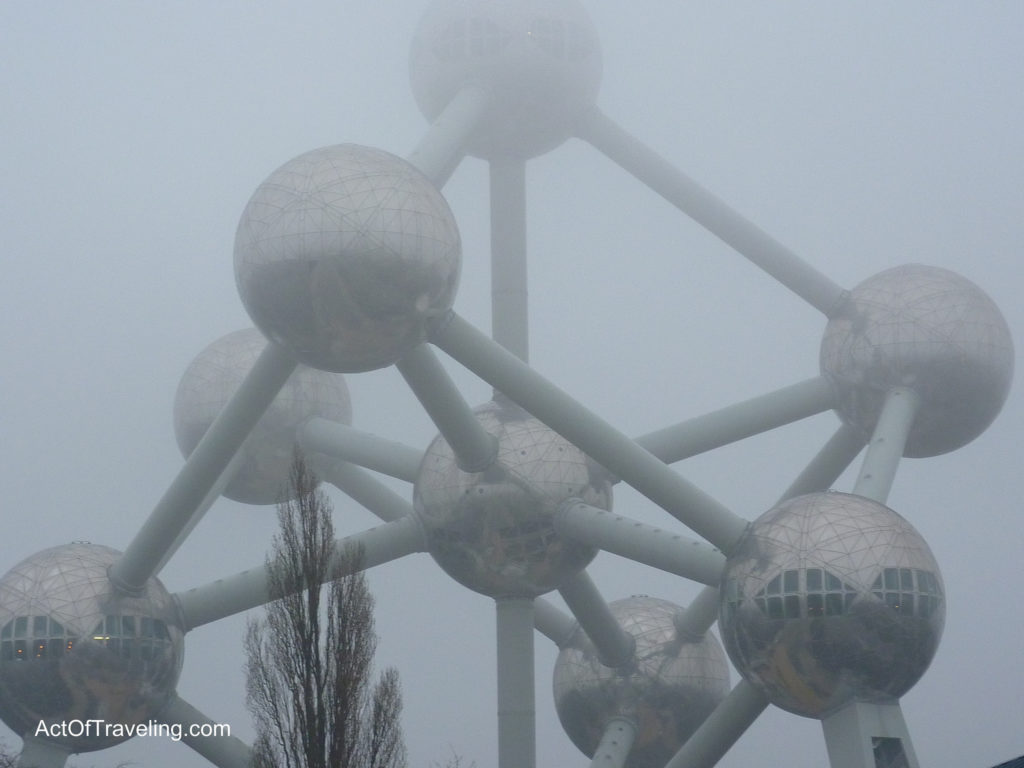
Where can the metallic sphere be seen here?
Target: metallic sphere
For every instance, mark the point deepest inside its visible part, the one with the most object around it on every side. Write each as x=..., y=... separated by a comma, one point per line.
x=210, y=381
x=344, y=254
x=672, y=686
x=72, y=649
x=928, y=329
x=831, y=598
x=493, y=531
x=539, y=59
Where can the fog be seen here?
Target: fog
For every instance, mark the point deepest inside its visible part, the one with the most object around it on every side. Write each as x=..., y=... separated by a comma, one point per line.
x=861, y=136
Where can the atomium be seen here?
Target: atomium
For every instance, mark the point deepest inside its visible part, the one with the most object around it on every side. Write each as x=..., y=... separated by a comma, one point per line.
x=347, y=259
x=71, y=648
x=832, y=598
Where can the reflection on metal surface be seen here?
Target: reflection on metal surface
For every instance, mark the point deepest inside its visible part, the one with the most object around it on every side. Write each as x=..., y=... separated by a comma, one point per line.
x=541, y=60
x=831, y=598
x=492, y=531
x=71, y=649
x=343, y=254
x=667, y=691
x=210, y=381
x=928, y=329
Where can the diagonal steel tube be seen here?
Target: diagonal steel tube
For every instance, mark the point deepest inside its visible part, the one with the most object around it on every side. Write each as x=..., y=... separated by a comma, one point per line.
x=736, y=422
x=722, y=728
x=249, y=589
x=365, y=489
x=640, y=542
x=711, y=213
x=202, y=469
x=615, y=646
x=475, y=448
x=222, y=751
x=645, y=472
x=40, y=753
x=885, y=449
x=829, y=463
x=553, y=623
x=616, y=742
x=442, y=148
x=340, y=441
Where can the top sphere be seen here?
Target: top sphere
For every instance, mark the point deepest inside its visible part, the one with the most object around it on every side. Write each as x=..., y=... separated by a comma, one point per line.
x=344, y=254
x=831, y=598
x=928, y=329
x=210, y=381
x=73, y=649
x=539, y=59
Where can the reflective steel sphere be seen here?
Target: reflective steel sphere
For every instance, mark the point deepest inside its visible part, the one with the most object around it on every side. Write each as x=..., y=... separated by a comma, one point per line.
x=72, y=649
x=493, y=531
x=831, y=598
x=925, y=328
x=539, y=59
x=669, y=690
x=210, y=381
x=344, y=254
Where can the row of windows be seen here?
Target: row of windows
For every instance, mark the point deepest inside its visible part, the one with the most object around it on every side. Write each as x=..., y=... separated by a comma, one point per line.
x=908, y=591
x=470, y=38
x=25, y=649
x=476, y=38
x=139, y=637
x=812, y=592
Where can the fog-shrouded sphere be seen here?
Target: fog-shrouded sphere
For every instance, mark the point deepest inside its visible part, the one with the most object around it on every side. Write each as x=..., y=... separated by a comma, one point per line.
x=540, y=60
x=672, y=686
x=213, y=377
x=831, y=598
x=73, y=649
x=929, y=329
x=344, y=254
x=493, y=531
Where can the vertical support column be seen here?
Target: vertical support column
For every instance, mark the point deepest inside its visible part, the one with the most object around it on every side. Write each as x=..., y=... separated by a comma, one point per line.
x=509, y=310
x=863, y=735
x=517, y=746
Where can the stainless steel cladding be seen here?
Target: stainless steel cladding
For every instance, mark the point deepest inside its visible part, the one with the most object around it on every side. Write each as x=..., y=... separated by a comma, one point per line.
x=929, y=329
x=493, y=531
x=344, y=254
x=72, y=649
x=210, y=381
x=671, y=686
x=540, y=60
x=831, y=598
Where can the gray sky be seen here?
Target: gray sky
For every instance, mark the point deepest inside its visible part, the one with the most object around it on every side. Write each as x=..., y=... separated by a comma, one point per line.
x=860, y=135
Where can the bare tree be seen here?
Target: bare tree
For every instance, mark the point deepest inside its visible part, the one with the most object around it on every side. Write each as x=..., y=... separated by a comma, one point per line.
x=310, y=661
